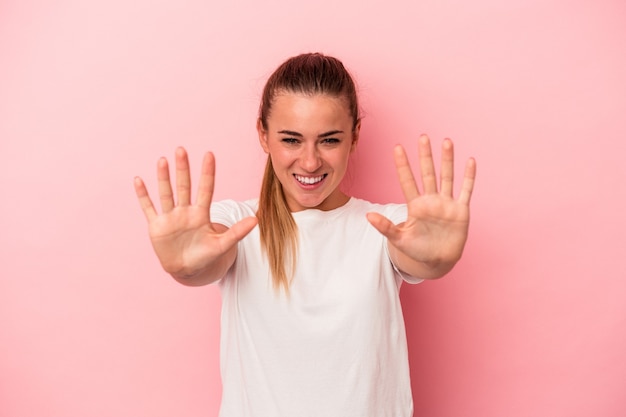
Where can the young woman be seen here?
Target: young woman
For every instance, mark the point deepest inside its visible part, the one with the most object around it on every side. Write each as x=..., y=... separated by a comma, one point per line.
x=309, y=276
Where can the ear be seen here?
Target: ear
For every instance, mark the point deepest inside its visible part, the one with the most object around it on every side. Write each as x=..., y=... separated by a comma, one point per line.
x=262, y=135
x=355, y=135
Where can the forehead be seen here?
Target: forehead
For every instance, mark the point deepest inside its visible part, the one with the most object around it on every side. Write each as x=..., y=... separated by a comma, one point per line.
x=290, y=110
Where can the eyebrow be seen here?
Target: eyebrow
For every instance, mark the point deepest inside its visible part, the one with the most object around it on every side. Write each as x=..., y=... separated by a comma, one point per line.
x=323, y=135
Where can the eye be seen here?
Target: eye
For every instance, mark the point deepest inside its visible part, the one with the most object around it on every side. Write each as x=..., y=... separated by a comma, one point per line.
x=290, y=141
x=330, y=141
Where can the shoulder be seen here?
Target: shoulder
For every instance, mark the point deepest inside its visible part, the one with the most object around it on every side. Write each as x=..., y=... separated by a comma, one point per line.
x=229, y=212
x=393, y=211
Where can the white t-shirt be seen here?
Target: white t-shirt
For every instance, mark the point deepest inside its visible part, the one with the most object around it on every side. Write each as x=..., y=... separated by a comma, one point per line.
x=336, y=346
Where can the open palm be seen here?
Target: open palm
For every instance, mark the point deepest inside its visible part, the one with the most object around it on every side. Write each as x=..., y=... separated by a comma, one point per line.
x=182, y=235
x=436, y=228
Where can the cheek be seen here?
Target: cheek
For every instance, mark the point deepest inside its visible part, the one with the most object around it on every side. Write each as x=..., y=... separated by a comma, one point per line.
x=342, y=160
x=281, y=157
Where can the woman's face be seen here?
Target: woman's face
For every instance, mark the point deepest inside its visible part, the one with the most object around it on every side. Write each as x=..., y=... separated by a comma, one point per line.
x=309, y=139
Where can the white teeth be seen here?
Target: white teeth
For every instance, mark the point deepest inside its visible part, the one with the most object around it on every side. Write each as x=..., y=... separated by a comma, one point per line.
x=309, y=180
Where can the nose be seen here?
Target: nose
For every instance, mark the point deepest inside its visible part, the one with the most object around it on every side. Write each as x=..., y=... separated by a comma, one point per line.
x=310, y=159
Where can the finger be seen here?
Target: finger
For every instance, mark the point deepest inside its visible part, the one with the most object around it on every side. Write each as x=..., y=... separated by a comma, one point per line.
x=468, y=182
x=383, y=225
x=165, y=187
x=144, y=199
x=447, y=168
x=183, y=179
x=405, y=175
x=207, y=181
x=427, y=167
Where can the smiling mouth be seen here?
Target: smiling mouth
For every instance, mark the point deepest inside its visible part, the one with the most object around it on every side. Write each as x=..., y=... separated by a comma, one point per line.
x=309, y=180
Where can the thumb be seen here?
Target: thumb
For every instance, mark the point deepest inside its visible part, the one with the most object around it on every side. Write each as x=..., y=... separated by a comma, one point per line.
x=239, y=230
x=383, y=225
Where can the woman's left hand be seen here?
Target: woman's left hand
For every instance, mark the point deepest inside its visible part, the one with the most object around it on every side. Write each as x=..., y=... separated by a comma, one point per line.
x=431, y=240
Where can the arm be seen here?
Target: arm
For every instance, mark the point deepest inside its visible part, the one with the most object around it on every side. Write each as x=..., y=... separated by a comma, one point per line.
x=189, y=246
x=431, y=241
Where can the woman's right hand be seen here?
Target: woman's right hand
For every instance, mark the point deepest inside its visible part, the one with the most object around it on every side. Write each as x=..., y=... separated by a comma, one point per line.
x=191, y=248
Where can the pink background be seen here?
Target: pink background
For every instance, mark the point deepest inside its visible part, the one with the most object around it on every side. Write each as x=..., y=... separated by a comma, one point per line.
x=532, y=322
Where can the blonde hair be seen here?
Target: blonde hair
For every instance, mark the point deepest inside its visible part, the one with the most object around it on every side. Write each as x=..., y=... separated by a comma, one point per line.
x=312, y=73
